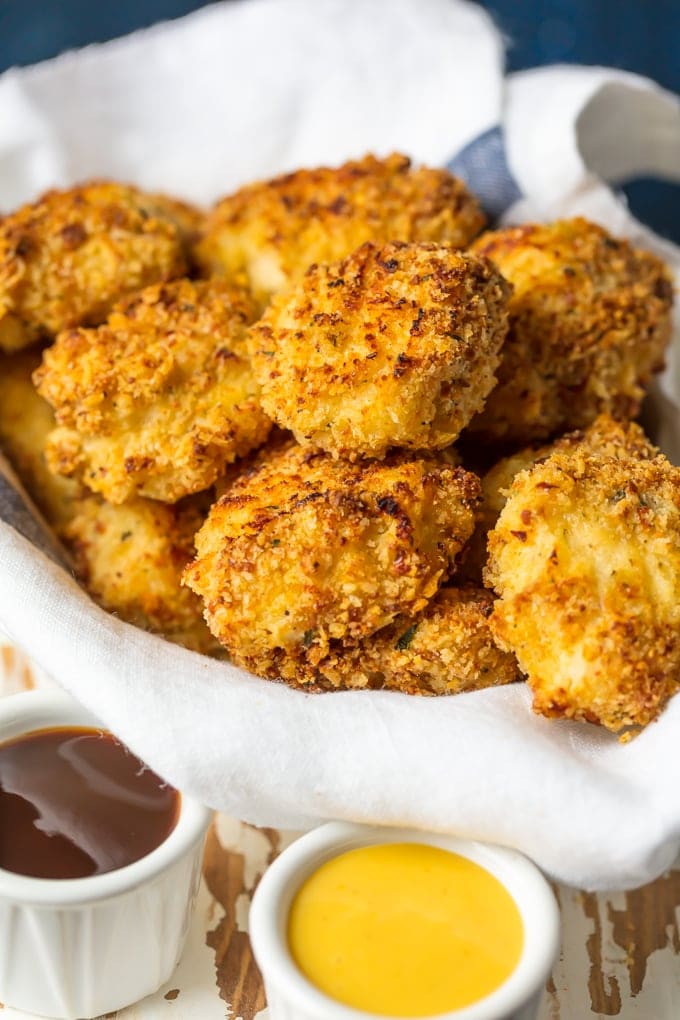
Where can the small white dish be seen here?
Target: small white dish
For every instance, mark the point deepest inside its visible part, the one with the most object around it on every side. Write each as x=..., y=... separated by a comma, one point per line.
x=291, y=996
x=77, y=948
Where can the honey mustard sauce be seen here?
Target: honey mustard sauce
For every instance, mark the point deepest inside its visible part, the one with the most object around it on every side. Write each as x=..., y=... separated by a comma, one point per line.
x=404, y=929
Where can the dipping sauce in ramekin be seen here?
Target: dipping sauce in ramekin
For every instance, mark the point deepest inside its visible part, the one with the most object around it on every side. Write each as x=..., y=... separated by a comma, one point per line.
x=107, y=910
x=358, y=922
x=74, y=801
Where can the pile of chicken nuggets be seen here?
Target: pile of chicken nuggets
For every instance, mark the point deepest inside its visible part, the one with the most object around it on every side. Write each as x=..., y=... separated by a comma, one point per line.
x=333, y=431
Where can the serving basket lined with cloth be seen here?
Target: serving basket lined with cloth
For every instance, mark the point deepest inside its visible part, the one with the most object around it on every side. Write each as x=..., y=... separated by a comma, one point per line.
x=246, y=90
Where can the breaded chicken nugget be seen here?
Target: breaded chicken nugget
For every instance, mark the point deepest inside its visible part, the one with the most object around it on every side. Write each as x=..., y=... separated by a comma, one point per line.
x=394, y=346
x=158, y=400
x=305, y=550
x=130, y=559
x=268, y=234
x=605, y=437
x=65, y=259
x=586, y=560
x=446, y=649
x=589, y=323
x=25, y=423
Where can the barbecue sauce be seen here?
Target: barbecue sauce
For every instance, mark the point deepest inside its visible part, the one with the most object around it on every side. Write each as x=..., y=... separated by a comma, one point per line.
x=74, y=802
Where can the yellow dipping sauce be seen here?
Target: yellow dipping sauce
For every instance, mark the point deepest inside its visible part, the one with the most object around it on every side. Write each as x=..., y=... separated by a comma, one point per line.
x=404, y=929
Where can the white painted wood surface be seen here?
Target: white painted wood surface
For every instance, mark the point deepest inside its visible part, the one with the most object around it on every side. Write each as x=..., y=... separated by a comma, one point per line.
x=620, y=952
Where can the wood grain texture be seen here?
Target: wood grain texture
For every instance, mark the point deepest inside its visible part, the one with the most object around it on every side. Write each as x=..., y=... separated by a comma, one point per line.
x=646, y=924
x=605, y=994
x=238, y=979
x=620, y=954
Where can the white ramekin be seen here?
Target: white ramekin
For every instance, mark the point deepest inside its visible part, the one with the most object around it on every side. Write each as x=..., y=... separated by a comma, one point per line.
x=82, y=947
x=291, y=996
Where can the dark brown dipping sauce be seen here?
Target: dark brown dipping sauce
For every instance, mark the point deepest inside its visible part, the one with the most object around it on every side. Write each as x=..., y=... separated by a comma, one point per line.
x=75, y=802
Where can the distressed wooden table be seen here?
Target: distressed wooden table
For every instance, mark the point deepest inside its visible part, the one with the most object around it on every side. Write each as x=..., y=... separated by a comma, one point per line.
x=620, y=952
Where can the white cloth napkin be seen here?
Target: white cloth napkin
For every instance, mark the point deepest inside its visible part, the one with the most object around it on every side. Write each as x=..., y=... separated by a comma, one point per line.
x=245, y=90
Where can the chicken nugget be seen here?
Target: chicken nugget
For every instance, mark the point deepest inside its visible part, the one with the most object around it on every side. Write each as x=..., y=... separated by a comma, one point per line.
x=605, y=437
x=26, y=420
x=305, y=550
x=161, y=398
x=590, y=318
x=130, y=559
x=586, y=560
x=447, y=648
x=395, y=346
x=269, y=233
x=65, y=259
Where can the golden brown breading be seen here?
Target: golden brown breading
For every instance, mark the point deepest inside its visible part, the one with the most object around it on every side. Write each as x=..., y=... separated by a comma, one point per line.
x=589, y=323
x=586, y=560
x=276, y=441
x=189, y=219
x=130, y=559
x=158, y=400
x=395, y=346
x=65, y=259
x=494, y=485
x=605, y=437
x=25, y=422
x=269, y=233
x=446, y=649
x=304, y=550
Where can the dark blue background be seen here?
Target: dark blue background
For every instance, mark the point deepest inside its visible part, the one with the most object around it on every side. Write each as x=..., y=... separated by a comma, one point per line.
x=639, y=35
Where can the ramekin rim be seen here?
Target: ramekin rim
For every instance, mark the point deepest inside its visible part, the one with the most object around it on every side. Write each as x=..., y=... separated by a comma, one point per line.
x=284, y=876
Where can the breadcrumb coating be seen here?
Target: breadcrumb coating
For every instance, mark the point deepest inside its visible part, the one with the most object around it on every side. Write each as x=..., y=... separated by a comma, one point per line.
x=305, y=550
x=277, y=441
x=395, y=346
x=447, y=648
x=590, y=318
x=187, y=218
x=130, y=559
x=605, y=437
x=586, y=560
x=25, y=423
x=65, y=259
x=161, y=398
x=269, y=233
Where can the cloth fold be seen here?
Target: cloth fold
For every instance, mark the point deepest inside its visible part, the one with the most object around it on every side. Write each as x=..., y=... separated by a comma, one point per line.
x=248, y=89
